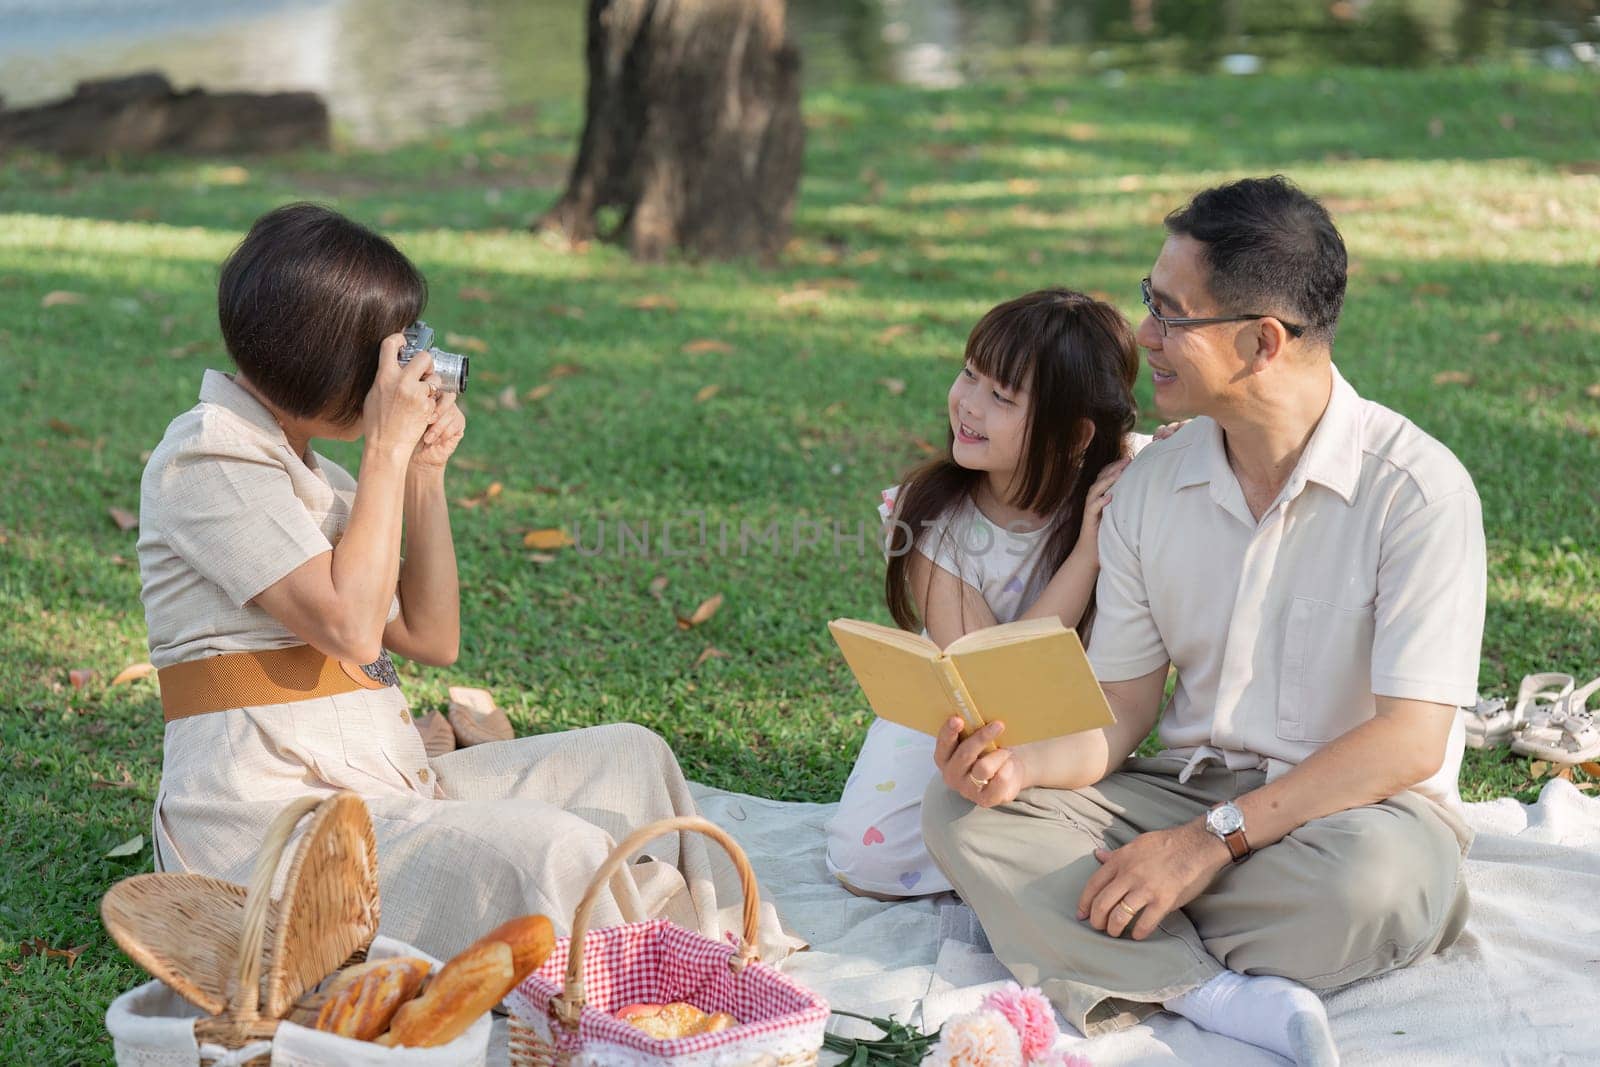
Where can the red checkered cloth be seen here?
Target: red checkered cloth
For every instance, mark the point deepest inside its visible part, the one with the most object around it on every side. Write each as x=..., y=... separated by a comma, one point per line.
x=659, y=962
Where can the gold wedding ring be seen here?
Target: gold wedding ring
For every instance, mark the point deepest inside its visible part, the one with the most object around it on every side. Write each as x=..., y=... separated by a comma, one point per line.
x=1123, y=905
x=975, y=780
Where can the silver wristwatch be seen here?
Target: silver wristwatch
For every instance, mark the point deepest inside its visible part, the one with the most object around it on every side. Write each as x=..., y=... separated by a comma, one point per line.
x=1227, y=822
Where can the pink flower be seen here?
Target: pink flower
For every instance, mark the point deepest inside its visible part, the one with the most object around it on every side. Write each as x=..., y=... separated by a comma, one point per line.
x=976, y=1039
x=1030, y=1014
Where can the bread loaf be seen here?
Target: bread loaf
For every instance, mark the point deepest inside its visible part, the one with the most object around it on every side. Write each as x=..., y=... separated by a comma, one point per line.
x=531, y=938
x=472, y=983
x=362, y=1000
x=678, y=1019
x=469, y=985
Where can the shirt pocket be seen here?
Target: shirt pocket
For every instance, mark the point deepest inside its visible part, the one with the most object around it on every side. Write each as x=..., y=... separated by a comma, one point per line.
x=1327, y=670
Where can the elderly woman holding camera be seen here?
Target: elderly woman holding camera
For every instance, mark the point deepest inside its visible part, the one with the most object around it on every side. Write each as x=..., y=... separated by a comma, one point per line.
x=274, y=583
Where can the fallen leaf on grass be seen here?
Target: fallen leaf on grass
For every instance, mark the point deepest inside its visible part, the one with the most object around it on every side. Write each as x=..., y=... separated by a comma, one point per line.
x=79, y=678
x=923, y=446
x=476, y=293
x=706, y=393
x=64, y=427
x=1493, y=337
x=1431, y=289
x=1565, y=773
x=658, y=585
x=1591, y=768
x=125, y=520
x=655, y=302
x=539, y=392
x=1593, y=392
x=702, y=614
x=185, y=351
x=38, y=946
x=541, y=558
x=890, y=333
x=554, y=537
x=564, y=311
x=708, y=653
x=702, y=345
x=1538, y=769
x=62, y=296
x=1453, y=377
x=564, y=370
x=131, y=847
x=132, y=673
x=894, y=385
x=464, y=341
x=805, y=294
x=508, y=399
x=494, y=490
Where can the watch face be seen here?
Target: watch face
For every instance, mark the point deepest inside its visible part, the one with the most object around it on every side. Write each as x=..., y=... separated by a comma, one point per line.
x=1225, y=819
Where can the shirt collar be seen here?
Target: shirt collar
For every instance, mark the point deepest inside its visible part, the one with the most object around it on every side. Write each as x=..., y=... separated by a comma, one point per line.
x=220, y=389
x=1332, y=457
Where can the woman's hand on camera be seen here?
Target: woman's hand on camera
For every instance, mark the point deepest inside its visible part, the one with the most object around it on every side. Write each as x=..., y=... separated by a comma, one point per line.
x=439, y=440
x=402, y=403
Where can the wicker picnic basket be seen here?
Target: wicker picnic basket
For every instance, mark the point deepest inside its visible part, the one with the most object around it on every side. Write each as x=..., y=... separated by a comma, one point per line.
x=566, y=1020
x=240, y=959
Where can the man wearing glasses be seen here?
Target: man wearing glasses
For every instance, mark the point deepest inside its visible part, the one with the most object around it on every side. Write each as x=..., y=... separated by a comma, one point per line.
x=1312, y=564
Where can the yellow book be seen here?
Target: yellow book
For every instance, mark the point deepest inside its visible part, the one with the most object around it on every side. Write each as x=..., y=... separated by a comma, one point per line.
x=1032, y=675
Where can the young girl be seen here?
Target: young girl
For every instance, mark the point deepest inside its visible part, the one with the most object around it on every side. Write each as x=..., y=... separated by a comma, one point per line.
x=1001, y=527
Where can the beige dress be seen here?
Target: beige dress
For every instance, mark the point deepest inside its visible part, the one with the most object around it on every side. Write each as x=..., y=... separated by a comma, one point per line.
x=465, y=841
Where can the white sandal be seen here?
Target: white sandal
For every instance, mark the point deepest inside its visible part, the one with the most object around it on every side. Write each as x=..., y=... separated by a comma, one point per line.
x=1491, y=723
x=1567, y=733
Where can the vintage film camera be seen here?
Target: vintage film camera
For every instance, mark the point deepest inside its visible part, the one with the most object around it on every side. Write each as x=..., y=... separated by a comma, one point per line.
x=450, y=367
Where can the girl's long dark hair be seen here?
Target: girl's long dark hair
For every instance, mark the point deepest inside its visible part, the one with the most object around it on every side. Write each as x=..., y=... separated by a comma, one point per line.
x=1077, y=358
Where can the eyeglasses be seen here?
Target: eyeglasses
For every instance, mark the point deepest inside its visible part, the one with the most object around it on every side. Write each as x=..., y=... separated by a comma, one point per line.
x=1166, y=322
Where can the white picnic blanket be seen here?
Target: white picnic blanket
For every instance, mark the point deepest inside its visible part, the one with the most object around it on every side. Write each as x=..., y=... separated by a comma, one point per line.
x=1521, y=986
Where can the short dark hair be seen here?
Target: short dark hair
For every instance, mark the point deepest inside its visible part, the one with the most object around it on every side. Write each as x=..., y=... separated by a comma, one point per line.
x=304, y=302
x=1271, y=248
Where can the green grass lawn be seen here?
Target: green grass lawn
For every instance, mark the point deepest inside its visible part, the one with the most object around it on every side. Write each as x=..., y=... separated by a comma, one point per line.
x=1470, y=202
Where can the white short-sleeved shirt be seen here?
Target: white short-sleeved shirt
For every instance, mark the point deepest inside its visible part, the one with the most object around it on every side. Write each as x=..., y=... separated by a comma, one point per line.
x=999, y=562
x=226, y=509
x=1365, y=578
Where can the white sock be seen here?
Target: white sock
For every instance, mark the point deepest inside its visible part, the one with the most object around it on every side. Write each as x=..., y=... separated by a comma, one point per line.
x=1269, y=1012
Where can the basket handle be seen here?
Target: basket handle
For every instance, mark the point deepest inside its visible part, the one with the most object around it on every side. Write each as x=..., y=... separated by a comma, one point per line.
x=569, y=1005
x=246, y=1000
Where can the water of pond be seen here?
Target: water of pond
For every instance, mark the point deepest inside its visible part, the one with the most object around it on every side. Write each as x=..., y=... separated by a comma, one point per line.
x=394, y=69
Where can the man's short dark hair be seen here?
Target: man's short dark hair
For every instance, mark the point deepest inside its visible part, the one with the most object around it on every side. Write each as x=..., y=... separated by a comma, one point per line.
x=304, y=302
x=1272, y=249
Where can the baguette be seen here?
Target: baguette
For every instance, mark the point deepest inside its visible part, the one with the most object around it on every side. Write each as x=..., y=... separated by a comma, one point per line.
x=469, y=985
x=531, y=938
x=433, y=1018
x=363, y=999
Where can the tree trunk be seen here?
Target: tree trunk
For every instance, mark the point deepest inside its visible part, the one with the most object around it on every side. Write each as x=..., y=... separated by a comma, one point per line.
x=693, y=128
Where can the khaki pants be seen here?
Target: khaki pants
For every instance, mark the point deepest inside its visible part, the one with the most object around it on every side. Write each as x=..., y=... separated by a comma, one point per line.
x=1342, y=898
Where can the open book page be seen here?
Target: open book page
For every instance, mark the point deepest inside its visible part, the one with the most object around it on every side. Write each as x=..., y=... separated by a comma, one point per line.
x=1038, y=683
x=900, y=673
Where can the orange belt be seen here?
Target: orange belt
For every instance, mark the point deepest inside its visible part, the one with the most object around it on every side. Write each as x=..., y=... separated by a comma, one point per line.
x=251, y=679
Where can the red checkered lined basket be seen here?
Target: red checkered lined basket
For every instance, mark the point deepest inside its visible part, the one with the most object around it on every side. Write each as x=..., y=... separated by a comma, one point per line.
x=566, y=1020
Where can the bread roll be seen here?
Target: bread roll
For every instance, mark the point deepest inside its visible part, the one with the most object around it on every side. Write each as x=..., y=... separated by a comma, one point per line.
x=468, y=986
x=362, y=1000
x=665, y=1022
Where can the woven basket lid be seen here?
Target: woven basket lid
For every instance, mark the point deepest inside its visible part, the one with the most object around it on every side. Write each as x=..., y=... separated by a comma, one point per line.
x=226, y=948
